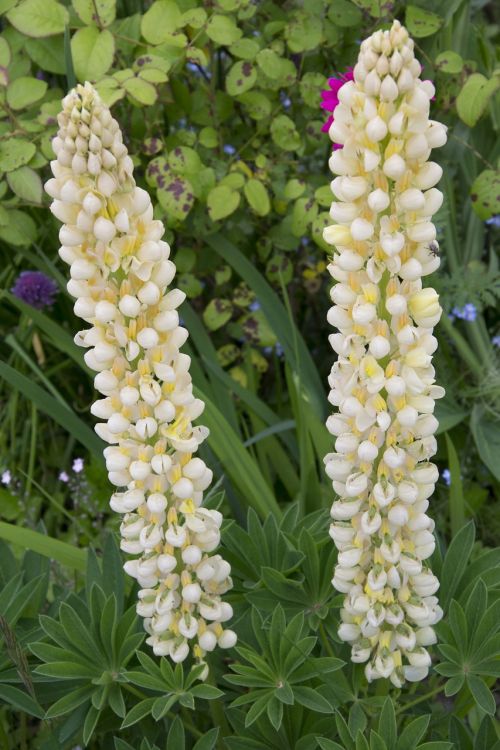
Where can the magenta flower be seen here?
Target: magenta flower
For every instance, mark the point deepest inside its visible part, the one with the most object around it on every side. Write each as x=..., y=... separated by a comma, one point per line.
x=330, y=99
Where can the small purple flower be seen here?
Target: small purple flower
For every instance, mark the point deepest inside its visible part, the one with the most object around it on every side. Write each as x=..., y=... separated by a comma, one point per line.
x=278, y=349
x=254, y=306
x=446, y=476
x=78, y=465
x=63, y=477
x=6, y=477
x=229, y=149
x=35, y=289
x=496, y=341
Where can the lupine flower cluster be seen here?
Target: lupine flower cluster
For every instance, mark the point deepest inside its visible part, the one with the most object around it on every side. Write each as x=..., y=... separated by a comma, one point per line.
x=383, y=384
x=120, y=276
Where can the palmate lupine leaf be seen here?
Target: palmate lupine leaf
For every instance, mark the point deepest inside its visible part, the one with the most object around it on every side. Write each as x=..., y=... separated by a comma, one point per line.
x=279, y=670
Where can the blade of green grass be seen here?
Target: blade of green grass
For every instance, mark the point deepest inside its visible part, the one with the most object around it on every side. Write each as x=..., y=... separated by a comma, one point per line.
x=457, y=502
x=60, y=338
x=199, y=336
x=62, y=552
x=288, y=335
x=68, y=60
x=48, y=404
x=236, y=461
x=253, y=402
x=12, y=342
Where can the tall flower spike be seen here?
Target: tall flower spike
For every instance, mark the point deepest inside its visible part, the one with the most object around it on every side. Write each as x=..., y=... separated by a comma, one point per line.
x=382, y=384
x=120, y=277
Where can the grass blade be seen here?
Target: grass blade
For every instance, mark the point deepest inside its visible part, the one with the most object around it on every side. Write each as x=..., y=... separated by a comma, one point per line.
x=50, y=406
x=63, y=553
x=288, y=335
x=240, y=467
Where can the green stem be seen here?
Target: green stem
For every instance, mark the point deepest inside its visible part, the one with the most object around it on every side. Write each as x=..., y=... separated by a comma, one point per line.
x=477, y=337
x=324, y=640
x=32, y=456
x=218, y=716
x=462, y=346
x=420, y=699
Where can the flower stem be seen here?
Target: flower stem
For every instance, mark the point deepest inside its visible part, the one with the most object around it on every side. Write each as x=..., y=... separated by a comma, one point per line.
x=462, y=346
x=420, y=699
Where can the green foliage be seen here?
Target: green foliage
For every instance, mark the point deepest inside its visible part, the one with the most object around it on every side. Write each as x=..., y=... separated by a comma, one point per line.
x=220, y=107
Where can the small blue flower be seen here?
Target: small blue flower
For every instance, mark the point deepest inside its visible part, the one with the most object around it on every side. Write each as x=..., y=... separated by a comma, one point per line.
x=6, y=477
x=285, y=100
x=278, y=349
x=229, y=149
x=254, y=306
x=446, y=476
x=468, y=312
x=494, y=221
x=78, y=465
x=496, y=341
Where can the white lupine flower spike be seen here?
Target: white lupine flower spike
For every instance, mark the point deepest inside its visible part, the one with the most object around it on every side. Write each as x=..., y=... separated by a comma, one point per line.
x=120, y=277
x=382, y=384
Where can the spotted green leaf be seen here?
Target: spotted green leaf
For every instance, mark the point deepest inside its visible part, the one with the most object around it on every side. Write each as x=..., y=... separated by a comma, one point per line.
x=420, y=22
x=241, y=77
x=98, y=12
x=217, y=313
